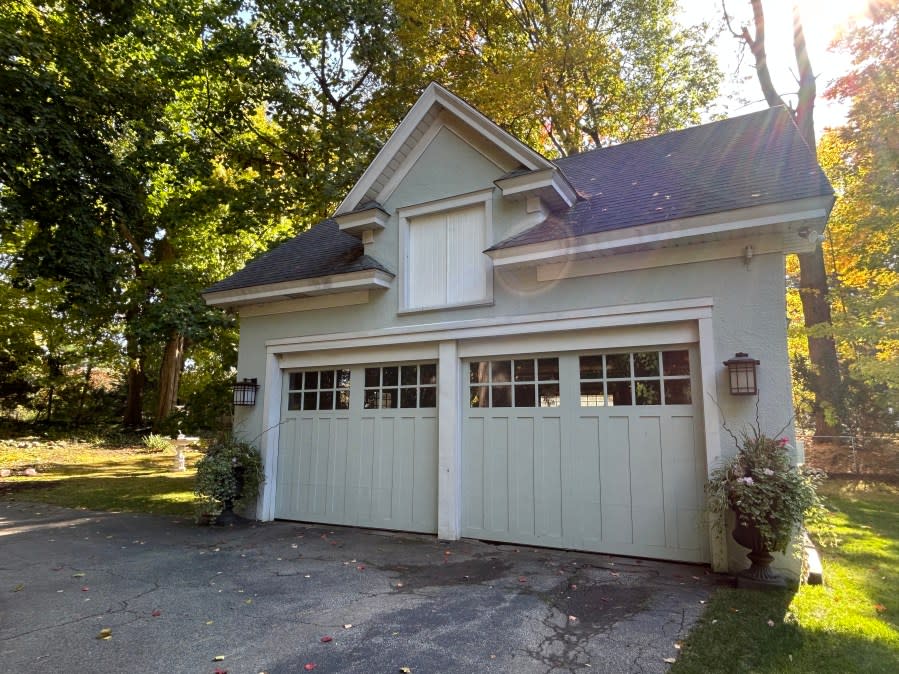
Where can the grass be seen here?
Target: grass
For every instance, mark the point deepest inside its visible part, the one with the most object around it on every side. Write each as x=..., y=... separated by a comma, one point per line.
x=850, y=624
x=85, y=475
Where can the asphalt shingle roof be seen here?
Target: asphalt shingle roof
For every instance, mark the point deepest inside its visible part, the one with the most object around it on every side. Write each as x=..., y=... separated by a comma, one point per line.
x=321, y=250
x=755, y=159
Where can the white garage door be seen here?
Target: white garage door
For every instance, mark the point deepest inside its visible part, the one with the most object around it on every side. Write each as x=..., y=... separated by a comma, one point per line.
x=359, y=447
x=594, y=451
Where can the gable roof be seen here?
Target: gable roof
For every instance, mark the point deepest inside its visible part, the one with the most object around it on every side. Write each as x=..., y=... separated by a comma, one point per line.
x=322, y=250
x=746, y=161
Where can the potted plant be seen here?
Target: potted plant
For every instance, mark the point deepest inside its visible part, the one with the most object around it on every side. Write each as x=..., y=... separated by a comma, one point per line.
x=770, y=496
x=231, y=472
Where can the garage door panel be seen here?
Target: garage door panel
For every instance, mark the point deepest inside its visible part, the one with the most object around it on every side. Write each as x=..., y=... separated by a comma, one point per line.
x=583, y=498
x=496, y=469
x=424, y=468
x=382, y=475
x=549, y=479
x=473, y=487
x=522, y=485
x=615, y=480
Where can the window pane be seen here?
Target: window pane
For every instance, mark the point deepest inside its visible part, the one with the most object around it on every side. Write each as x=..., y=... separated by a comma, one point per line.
x=649, y=392
x=478, y=372
x=524, y=371
x=676, y=363
x=326, y=400
x=409, y=397
x=677, y=392
x=524, y=396
x=427, y=397
x=343, y=378
x=548, y=369
x=372, y=399
x=502, y=396
x=389, y=398
x=618, y=393
x=501, y=371
x=409, y=375
x=591, y=367
x=646, y=364
x=294, y=400
x=428, y=374
x=372, y=377
x=310, y=380
x=549, y=395
x=592, y=395
x=310, y=400
x=343, y=400
x=296, y=382
x=618, y=365
x=390, y=376
x=479, y=396
x=327, y=379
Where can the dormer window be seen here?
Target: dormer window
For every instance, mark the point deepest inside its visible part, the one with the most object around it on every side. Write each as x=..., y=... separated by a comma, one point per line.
x=441, y=248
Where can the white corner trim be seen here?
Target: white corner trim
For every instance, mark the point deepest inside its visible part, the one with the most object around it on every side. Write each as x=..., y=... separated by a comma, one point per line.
x=270, y=438
x=435, y=94
x=449, y=442
x=661, y=233
x=369, y=279
x=577, y=319
x=328, y=301
x=648, y=259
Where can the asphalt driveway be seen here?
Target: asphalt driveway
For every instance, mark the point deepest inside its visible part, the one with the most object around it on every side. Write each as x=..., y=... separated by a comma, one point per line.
x=280, y=597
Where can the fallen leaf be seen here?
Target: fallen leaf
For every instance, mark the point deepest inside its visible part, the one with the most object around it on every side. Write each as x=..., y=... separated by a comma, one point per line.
x=85, y=588
x=447, y=552
x=220, y=671
x=210, y=622
x=770, y=623
x=734, y=610
x=105, y=633
x=325, y=639
x=522, y=579
x=218, y=658
x=677, y=645
x=156, y=613
x=248, y=601
x=670, y=661
x=880, y=608
x=309, y=666
x=18, y=588
x=572, y=618
x=573, y=586
x=399, y=585
x=406, y=670
x=347, y=626
x=77, y=575
x=361, y=567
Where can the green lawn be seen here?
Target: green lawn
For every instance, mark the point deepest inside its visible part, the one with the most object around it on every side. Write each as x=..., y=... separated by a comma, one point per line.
x=851, y=624
x=81, y=475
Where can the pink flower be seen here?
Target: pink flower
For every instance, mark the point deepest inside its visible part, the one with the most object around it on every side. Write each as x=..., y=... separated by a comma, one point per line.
x=746, y=480
x=768, y=472
x=782, y=442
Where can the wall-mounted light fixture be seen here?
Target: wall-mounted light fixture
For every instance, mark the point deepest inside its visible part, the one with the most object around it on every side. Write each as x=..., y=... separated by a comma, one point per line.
x=810, y=235
x=742, y=376
x=245, y=392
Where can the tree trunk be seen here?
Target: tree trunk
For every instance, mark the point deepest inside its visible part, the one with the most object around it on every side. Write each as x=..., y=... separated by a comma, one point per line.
x=134, y=402
x=170, y=376
x=825, y=382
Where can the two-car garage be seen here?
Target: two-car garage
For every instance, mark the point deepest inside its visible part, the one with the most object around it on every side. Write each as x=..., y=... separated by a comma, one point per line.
x=597, y=450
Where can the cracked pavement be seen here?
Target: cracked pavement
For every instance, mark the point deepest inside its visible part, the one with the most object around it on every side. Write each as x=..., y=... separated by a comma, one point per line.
x=176, y=595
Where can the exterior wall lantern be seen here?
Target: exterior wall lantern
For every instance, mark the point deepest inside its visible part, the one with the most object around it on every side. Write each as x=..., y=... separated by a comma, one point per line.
x=741, y=371
x=245, y=392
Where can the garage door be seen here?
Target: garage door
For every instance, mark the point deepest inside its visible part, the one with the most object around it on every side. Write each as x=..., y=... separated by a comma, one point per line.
x=592, y=451
x=358, y=447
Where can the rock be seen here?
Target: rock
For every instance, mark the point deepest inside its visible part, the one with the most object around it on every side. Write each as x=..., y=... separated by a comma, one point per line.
x=30, y=472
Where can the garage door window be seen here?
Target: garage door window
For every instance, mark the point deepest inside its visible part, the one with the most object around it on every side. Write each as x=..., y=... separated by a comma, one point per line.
x=404, y=386
x=522, y=382
x=319, y=390
x=636, y=378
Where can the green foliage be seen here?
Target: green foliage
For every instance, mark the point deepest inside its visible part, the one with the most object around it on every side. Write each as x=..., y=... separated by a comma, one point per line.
x=157, y=443
x=231, y=471
x=764, y=489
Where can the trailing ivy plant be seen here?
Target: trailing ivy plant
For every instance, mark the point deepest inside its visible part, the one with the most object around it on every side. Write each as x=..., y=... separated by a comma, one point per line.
x=765, y=489
x=230, y=471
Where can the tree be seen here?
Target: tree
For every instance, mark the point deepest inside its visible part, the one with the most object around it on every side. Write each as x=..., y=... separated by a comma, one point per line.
x=813, y=289
x=563, y=75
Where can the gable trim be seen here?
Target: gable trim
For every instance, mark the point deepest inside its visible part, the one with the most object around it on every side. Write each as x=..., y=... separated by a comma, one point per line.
x=437, y=95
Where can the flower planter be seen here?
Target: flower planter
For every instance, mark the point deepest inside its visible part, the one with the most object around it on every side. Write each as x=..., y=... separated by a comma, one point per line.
x=759, y=575
x=228, y=517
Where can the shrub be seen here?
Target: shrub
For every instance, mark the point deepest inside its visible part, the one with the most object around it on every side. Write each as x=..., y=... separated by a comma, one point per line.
x=231, y=471
x=157, y=443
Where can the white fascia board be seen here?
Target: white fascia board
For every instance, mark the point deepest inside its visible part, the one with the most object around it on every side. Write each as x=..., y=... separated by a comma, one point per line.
x=371, y=219
x=784, y=217
x=548, y=183
x=370, y=279
x=435, y=94
x=577, y=319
